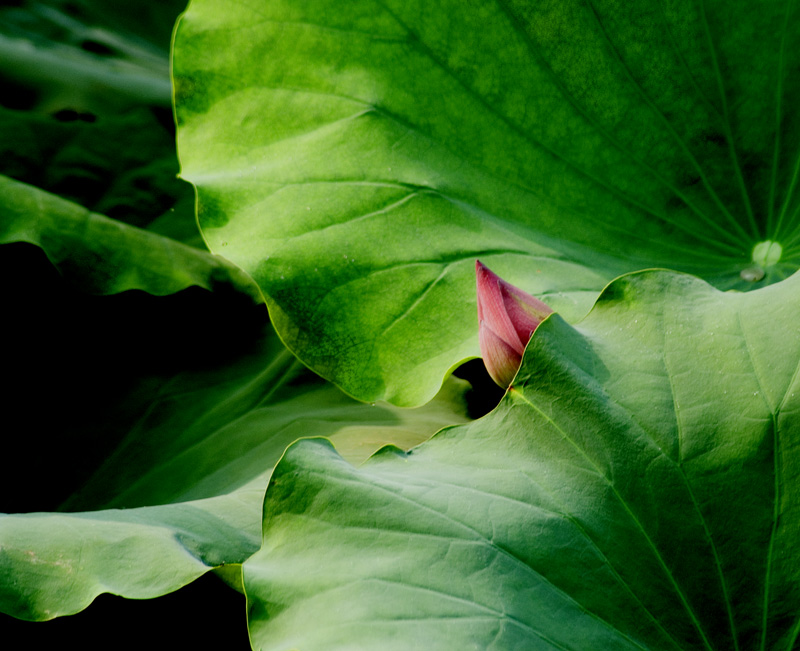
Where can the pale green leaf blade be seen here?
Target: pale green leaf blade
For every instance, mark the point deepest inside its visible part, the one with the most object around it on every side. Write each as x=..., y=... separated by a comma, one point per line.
x=635, y=489
x=54, y=564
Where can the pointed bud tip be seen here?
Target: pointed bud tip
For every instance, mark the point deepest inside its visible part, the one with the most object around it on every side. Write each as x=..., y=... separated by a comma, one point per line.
x=483, y=272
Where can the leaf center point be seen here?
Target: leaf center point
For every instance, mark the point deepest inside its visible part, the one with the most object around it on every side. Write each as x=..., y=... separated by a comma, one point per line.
x=767, y=253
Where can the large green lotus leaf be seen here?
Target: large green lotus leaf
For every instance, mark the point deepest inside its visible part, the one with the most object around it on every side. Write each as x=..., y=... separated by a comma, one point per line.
x=195, y=462
x=637, y=488
x=105, y=256
x=356, y=162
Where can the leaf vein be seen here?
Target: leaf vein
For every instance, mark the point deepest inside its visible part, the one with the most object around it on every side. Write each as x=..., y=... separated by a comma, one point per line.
x=634, y=519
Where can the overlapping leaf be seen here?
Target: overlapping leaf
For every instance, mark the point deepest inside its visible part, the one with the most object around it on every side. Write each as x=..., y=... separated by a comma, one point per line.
x=208, y=432
x=356, y=162
x=54, y=564
x=636, y=489
x=106, y=256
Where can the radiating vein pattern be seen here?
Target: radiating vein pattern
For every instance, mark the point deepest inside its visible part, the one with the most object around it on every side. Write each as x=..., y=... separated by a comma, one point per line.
x=617, y=136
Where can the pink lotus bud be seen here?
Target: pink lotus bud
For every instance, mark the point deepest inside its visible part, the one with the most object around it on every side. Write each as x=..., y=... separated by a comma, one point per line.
x=507, y=317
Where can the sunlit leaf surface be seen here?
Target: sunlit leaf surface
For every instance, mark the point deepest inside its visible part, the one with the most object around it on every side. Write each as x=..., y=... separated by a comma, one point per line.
x=356, y=162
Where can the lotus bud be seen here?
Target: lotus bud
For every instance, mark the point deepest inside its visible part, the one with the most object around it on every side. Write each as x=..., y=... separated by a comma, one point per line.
x=507, y=317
